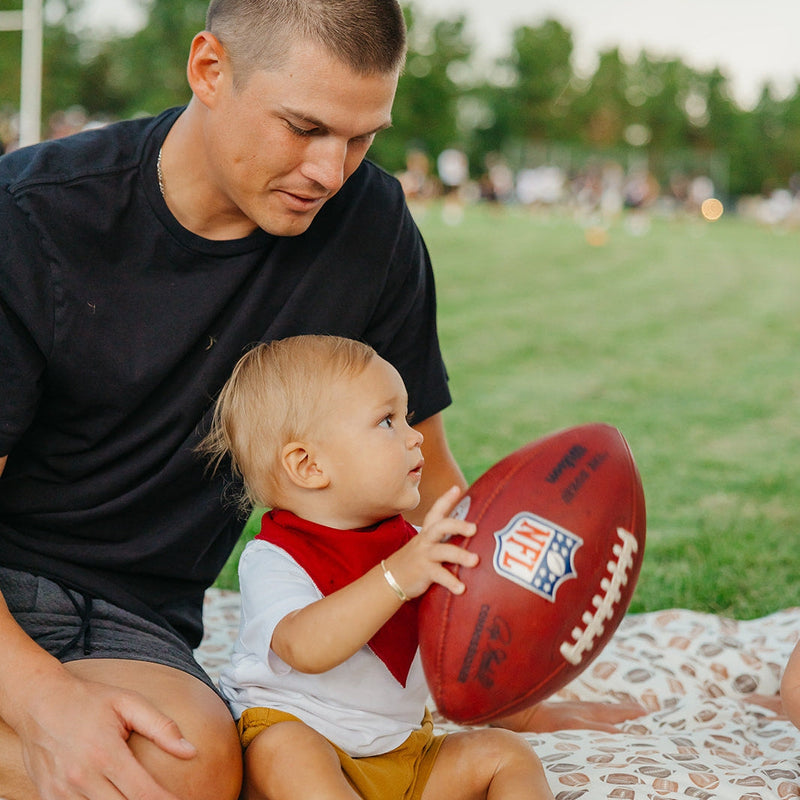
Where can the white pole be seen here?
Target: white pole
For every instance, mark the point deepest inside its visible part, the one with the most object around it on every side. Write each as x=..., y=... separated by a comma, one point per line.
x=30, y=110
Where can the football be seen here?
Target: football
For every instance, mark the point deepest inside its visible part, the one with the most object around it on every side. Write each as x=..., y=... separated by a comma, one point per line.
x=561, y=534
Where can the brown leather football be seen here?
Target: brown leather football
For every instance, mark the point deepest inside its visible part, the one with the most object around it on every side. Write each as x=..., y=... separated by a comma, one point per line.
x=561, y=534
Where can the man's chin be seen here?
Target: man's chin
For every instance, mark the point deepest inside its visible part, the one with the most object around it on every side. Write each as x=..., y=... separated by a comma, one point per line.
x=287, y=224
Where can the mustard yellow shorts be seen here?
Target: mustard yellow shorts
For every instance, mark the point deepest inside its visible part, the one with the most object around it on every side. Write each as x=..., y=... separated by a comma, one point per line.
x=401, y=773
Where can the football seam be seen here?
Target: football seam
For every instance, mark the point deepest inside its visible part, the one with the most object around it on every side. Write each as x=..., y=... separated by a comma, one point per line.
x=446, y=614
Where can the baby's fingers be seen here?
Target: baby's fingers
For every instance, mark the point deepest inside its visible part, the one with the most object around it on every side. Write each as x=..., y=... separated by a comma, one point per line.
x=445, y=578
x=442, y=507
x=444, y=529
x=453, y=554
x=458, y=556
x=447, y=554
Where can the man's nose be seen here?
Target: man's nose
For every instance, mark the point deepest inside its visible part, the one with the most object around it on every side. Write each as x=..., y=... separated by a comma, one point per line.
x=325, y=163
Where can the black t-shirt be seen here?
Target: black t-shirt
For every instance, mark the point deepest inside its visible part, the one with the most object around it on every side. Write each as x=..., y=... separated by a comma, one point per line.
x=117, y=329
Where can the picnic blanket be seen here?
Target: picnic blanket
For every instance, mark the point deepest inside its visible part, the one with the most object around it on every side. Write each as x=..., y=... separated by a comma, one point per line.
x=693, y=672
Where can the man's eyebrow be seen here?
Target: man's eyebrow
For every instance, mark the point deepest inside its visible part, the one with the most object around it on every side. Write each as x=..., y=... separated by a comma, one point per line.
x=302, y=117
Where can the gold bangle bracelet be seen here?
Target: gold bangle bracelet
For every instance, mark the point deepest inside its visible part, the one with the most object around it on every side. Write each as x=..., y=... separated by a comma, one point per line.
x=398, y=590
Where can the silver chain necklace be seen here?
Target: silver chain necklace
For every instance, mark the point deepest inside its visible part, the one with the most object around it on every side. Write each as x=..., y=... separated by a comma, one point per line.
x=159, y=173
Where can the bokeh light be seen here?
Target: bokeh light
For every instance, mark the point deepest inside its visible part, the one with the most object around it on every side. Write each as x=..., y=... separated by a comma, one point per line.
x=712, y=209
x=596, y=236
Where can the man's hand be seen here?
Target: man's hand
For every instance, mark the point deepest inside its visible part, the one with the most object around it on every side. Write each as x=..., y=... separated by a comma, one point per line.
x=75, y=741
x=569, y=714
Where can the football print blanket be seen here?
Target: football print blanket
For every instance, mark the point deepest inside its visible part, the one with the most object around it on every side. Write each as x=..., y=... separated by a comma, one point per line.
x=693, y=672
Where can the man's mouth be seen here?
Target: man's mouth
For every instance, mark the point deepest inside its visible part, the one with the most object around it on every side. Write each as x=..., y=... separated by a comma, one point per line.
x=302, y=202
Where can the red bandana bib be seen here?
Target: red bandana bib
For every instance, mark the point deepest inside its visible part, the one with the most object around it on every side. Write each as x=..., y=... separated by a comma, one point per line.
x=334, y=558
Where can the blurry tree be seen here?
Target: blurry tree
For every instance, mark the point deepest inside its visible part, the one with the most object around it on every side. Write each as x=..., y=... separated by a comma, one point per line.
x=726, y=130
x=538, y=100
x=669, y=98
x=146, y=72
x=667, y=108
x=600, y=112
x=766, y=125
x=528, y=96
x=723, y=115
x=10, y=54
x=62, y=69
x=790, y=146
x=61, y=61
x=425, y=114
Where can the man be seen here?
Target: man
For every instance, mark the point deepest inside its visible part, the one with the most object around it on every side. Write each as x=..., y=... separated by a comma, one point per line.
x=137, y=263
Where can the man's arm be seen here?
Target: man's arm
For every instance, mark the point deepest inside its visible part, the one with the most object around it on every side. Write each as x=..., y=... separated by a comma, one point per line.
x=440, y=473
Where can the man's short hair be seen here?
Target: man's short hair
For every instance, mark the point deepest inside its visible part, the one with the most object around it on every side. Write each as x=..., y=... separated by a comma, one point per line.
x=369, y=36
x=275, y=395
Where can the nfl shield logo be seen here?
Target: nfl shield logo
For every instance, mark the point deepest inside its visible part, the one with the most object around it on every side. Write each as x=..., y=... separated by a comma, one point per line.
x=536, y=554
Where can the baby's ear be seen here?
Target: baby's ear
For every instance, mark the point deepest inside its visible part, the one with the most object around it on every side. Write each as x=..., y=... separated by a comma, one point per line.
x=301, y=467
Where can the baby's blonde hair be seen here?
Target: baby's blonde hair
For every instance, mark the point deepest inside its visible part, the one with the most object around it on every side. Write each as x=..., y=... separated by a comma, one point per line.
x=272, y=397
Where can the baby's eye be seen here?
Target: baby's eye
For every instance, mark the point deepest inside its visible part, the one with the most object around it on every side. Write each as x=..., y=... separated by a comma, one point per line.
x=386, y=422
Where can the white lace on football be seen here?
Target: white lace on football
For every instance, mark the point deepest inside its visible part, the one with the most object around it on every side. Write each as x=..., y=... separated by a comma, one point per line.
x=583, y=639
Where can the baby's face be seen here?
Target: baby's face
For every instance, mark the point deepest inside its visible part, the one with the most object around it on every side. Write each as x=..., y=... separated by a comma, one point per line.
x=370, y=452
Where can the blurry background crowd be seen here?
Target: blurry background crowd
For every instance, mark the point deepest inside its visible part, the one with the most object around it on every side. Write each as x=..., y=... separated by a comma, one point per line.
x=635, y=136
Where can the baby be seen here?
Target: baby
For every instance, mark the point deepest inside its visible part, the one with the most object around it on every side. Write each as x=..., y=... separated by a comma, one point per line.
x=325, y=679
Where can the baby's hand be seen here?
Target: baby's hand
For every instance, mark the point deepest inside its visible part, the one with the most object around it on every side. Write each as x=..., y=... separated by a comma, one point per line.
x=418, y=564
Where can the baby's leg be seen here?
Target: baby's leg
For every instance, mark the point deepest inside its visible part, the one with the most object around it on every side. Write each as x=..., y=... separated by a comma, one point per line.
x=488, y=763
x=288, y=761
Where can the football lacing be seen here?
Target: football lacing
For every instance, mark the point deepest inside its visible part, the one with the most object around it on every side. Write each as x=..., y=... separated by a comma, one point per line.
x=604, y=604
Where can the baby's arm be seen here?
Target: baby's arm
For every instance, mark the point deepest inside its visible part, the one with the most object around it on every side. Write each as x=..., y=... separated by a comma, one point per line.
x=790, y=687
x=326, y=633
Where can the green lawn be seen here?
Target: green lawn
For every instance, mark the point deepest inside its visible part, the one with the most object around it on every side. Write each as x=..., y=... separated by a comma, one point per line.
x=686, y=337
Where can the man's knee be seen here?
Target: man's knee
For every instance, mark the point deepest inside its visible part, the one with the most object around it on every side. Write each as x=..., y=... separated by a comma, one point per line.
x=214, y=773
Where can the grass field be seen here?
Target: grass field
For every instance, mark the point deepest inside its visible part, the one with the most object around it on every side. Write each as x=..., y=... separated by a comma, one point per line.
x=685, y=336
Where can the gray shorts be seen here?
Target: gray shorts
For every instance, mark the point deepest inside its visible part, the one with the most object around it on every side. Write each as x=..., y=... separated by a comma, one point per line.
x=70, y=626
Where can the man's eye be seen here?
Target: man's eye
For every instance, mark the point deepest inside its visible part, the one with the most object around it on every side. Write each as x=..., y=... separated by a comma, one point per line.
x=300, y=131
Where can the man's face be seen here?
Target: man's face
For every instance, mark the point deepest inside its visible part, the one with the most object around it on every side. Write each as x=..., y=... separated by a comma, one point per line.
x=285, y=142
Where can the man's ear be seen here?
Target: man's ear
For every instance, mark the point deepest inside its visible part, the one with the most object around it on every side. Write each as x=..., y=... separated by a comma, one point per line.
x=301, y=467
x=208, y=63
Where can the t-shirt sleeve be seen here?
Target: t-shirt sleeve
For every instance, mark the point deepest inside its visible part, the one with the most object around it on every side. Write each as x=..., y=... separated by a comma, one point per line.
x=272, y=585
x=26, y=321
